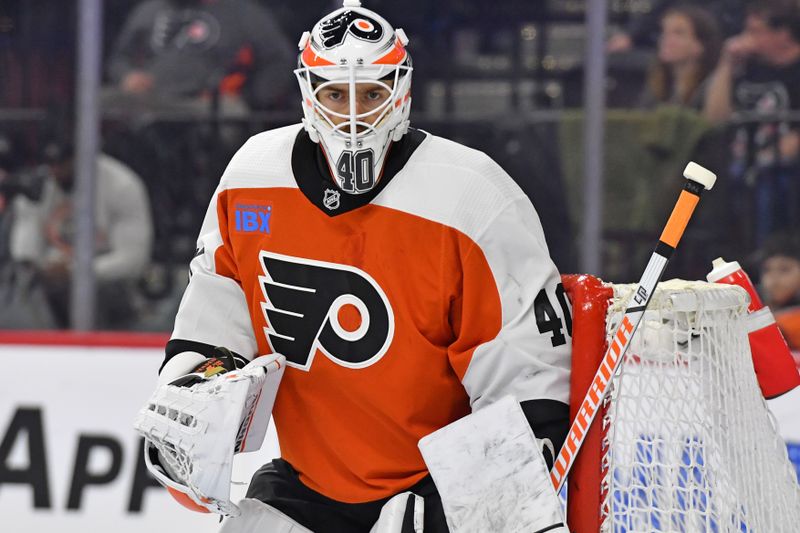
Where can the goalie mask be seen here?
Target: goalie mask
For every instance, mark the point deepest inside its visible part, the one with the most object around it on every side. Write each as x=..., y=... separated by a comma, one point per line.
x=355, y=77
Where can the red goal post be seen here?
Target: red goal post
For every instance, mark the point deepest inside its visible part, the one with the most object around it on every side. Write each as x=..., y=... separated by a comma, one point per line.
x=590, y=299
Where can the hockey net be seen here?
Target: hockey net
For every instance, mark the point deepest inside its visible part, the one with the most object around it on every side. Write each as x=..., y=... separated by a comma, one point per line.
x=685, y=442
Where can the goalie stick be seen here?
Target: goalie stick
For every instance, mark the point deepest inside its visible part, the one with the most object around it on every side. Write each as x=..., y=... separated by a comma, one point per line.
x=697, y=180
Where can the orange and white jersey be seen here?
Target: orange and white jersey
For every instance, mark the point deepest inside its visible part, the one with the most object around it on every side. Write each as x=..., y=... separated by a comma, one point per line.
x=398, y=312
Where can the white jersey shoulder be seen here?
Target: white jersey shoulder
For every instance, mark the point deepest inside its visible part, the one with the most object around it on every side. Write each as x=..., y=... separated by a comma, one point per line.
x=443, y=181
x=452, y=184
x=265, y=160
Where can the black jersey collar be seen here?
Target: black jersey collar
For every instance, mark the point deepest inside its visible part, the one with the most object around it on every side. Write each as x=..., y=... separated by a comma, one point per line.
x=314, y=178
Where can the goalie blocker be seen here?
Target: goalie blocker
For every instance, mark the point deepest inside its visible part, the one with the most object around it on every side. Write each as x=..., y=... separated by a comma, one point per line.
x=491, y=474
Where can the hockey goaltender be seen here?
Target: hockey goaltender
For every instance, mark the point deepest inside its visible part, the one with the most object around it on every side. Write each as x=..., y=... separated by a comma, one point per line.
x=387, y=296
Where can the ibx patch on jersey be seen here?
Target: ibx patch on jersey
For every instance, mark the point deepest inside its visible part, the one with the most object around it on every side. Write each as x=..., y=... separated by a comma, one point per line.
x=250, y=218
x=312, y=306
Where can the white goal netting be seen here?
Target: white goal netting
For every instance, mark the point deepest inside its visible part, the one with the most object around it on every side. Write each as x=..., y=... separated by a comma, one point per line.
x=689, y=445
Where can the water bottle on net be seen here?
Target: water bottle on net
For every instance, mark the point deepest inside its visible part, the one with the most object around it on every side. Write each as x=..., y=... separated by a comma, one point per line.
x=775, y=368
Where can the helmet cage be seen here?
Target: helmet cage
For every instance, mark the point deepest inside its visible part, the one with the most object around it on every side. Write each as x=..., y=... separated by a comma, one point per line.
x=317, y=114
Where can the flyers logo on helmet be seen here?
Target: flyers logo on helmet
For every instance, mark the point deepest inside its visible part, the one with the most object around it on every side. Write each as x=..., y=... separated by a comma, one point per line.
x=313, y=305
x=334, y=30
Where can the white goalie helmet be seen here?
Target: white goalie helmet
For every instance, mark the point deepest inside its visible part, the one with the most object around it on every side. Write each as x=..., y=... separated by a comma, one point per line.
x=351, y=47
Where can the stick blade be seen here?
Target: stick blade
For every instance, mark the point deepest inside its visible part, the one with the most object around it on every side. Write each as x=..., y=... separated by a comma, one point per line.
x=700, y=174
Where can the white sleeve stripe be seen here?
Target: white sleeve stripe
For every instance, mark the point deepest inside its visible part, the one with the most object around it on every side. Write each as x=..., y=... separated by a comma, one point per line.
x=214, y=311
x=520, y=360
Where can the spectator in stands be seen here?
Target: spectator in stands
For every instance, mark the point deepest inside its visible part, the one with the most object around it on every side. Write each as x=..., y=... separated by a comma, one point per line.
x=640, y=32
x=780, y=279
x=185, y=53
x=759, y=69
x=688, y=50
x=759, y=74
x=43, y=231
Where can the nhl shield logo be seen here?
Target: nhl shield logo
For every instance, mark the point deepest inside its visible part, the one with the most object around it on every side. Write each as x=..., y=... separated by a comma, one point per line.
x=331, y=199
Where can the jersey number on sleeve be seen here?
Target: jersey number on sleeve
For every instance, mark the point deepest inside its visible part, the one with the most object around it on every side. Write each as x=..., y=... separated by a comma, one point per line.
x=547, y=320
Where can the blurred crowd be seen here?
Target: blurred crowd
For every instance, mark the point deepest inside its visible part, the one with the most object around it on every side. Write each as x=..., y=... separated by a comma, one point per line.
x=186, y=81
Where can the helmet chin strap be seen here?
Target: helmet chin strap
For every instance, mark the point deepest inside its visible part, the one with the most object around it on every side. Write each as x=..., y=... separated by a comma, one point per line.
x=311, y=129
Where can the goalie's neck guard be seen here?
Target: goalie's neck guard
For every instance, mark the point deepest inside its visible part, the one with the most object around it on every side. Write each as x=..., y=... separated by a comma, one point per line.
x=350, y=47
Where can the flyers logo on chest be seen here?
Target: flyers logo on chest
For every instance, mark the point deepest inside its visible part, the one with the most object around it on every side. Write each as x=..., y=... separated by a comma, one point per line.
x=312, y=306
x=333, y=31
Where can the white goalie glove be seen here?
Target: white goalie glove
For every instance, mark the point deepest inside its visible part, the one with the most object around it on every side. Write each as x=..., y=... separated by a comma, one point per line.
x=194, y=425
